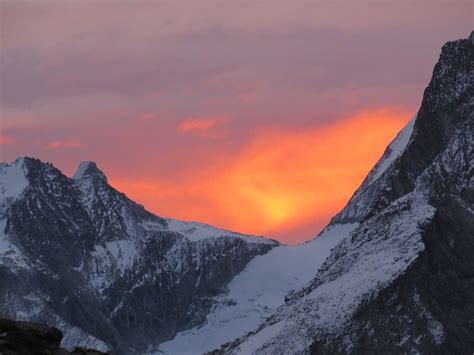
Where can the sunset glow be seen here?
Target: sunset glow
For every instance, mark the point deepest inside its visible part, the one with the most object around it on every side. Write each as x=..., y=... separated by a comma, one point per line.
x=279, y=181
x=262, y=119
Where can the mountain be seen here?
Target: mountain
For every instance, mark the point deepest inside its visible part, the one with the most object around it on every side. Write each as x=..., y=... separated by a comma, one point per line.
x=77, y=254
x=391, y=273
x=403, y=280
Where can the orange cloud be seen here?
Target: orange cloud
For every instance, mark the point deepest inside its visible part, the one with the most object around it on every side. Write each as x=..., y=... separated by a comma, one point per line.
x=281, y=181
x=146, y=117
x=64, y=144
x=7, y=140
x=199, y=125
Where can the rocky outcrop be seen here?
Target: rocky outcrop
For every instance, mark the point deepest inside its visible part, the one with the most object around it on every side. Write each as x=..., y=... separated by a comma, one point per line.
x=18, y=338
x=28, y=338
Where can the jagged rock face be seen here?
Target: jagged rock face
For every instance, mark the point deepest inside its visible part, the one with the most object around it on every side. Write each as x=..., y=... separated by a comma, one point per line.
x=427, y=310
x=430, y=309
x=77, y=254
x=442, y=112
x=403, y=282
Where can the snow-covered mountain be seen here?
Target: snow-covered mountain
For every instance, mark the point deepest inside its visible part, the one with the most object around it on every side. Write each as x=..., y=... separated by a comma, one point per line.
x=403, y=280
x=77, y=254
x=391, y=273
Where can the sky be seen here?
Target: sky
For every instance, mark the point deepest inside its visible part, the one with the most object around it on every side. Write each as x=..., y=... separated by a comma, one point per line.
x=260, y=117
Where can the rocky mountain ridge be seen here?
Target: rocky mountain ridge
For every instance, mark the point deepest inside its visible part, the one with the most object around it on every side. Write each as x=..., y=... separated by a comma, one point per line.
x=77, y=254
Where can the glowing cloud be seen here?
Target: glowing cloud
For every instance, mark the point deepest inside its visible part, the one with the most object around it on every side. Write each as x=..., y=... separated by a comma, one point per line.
x=64, y=144
x=279, y=182
x=199, y=125
x=146, y=117
x=4, y=140
x=206, y=123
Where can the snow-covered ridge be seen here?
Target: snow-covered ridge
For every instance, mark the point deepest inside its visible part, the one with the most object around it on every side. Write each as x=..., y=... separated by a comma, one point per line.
x=81, y=170
x=13, y=179
x=363, y=198
x=195, y=231
x=393, y=151
x=257, y=292
x=87, y=168
x=356, y=270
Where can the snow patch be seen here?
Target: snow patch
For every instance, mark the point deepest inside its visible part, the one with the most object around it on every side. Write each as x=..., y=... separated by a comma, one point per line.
x=195, y=231
x=10, y=255
x=75, y=337
x=394, y=150
x=12, y=180
x=82, y=170
x=113, y=256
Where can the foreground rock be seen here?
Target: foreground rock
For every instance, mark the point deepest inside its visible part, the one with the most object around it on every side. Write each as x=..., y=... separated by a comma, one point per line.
x=18, y=337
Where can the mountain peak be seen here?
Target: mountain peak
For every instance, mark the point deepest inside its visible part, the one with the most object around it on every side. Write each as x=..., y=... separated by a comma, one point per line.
x=86, y=169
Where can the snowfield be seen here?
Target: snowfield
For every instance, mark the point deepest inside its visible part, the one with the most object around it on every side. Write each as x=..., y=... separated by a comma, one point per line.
x=257, y=292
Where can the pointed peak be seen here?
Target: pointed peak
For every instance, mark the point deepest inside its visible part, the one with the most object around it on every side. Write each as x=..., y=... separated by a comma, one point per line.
x=13, y=180
x=25, y=159
x=24, y=162
x=86, y=169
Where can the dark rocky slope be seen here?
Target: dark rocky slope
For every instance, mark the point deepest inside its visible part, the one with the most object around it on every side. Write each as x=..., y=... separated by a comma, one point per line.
x=445, y=103
x=434, y=298
x=437, y=291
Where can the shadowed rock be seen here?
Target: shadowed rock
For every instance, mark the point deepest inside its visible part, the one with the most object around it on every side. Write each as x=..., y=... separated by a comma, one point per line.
x=17, y=337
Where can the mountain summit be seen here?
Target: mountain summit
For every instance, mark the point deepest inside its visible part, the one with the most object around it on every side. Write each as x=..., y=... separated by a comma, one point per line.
x=88, y=168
